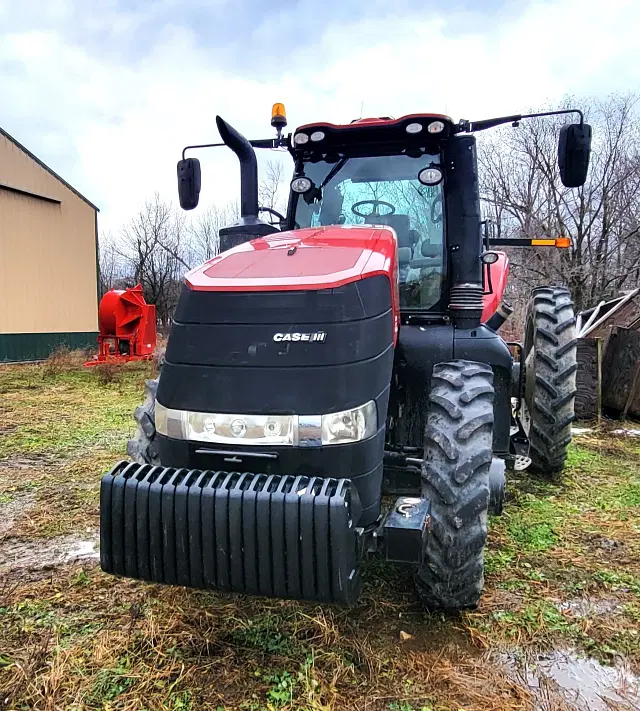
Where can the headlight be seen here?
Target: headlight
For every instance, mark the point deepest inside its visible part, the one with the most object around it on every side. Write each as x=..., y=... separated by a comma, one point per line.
x=292, y=430
x=301, y=184
x=350, y=425
x=430, y=176
x=413, y=128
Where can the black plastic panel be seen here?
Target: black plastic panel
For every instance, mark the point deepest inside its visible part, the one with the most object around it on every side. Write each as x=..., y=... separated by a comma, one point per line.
x=284, y=536
x=286, y=390
x=254, y=345
x=358, y=300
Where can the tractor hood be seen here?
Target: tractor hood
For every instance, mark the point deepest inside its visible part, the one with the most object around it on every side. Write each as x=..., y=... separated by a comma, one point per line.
x=312, y=258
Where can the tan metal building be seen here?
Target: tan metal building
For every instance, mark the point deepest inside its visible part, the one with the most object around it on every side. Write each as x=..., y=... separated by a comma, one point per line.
x=48, y=259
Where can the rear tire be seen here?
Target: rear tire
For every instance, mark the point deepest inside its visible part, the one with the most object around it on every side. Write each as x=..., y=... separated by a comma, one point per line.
x=550, y=350
x=455, y=478
x=143, y=448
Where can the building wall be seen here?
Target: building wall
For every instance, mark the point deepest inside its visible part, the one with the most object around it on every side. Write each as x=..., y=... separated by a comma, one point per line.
x=48, y=263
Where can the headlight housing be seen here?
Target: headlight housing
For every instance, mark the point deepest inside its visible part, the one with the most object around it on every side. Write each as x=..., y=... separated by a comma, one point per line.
x=347, y=426
x=350, y=425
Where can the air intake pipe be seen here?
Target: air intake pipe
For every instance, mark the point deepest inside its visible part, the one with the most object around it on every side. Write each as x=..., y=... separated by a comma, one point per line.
x=248, y=226
x=463, y=229
x=502, y=313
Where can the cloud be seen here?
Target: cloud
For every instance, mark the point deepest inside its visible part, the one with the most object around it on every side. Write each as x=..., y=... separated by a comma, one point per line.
x=109, y=97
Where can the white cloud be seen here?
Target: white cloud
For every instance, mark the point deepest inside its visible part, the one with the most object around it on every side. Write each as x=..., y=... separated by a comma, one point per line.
x=115, y=127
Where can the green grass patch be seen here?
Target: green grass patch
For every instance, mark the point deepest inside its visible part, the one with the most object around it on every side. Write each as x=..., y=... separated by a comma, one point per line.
x=619, y=496
x=536, y=618
x=65, y=412
x=267, y=633
x=495, y=561
x=617, y=581
x=532, y=525
x=579, y=457
x=111, y=683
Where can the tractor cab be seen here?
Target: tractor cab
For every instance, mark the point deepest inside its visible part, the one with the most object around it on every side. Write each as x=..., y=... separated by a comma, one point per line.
x=379, y=172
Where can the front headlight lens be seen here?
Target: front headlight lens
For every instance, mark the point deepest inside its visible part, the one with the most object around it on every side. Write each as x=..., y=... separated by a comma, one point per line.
x=335, y=428
x=223, y=428
x=350, y=425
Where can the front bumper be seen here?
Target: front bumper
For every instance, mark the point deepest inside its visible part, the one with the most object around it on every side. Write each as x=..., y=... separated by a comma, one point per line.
x=272, y=535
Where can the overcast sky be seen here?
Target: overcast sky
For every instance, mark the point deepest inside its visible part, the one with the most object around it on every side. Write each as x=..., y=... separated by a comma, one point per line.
x=107, y=92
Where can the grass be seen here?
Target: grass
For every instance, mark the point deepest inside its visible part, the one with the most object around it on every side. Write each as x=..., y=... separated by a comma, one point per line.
x=562, y=570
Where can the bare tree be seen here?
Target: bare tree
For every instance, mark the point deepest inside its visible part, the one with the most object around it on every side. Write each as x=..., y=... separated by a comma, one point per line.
x=110, y=264
x=204, y=230
x=151, y=246
x=523, y=194
x=270, y=192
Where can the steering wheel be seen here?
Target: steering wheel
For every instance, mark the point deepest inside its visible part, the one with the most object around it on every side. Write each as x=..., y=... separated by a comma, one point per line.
x=436, y=216
x=376, y=204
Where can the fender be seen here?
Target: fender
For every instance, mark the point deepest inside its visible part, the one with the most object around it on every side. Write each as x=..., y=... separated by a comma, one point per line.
x=499, y=274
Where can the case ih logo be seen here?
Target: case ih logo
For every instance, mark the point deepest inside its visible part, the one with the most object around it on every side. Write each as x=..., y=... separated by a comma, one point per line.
x=315, y=337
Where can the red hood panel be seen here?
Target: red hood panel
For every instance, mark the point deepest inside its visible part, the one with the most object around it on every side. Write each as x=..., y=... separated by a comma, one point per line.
x=324, y=257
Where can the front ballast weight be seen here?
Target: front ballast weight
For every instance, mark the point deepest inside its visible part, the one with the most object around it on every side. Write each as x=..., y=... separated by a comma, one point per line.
x=289, y=536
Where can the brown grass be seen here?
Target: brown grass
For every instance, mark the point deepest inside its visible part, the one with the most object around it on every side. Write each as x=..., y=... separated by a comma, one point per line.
x=563, y=570
x=159, y=646
x=63, y=360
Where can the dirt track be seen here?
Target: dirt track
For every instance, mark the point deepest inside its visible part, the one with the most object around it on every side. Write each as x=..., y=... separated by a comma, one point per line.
x=557, y=627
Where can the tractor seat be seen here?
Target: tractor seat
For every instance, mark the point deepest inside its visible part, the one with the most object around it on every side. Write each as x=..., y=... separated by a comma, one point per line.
x=400, y=224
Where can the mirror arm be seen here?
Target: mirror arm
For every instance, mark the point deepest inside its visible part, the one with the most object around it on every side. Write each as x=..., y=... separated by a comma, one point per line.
x=557, y=113
x=465, y=126
x=259, y=143
x=201, y=145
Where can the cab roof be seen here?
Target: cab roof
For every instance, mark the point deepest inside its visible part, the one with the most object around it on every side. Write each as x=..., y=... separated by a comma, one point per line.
x=368, y=135
x=386, y=120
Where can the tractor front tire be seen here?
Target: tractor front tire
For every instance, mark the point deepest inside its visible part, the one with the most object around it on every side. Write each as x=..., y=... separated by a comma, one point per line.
x=550, y=353
x=143, y=448
x=455, y=479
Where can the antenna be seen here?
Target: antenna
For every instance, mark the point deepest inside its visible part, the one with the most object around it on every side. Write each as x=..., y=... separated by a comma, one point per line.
x=361, y=108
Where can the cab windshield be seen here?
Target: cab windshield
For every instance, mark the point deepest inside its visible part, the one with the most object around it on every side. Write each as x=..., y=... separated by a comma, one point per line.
x=384, y=190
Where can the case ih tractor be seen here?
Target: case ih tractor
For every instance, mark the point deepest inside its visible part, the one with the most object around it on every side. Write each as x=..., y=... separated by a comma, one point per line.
x=350, y=352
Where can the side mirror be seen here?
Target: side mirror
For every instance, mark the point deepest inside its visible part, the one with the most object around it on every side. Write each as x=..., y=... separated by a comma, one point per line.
x=189, y=183
x=574, y=150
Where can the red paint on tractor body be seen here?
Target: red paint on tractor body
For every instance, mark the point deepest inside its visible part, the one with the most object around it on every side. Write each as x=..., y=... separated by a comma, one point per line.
x=127, y=327
x=311, y=258
x=499, y=274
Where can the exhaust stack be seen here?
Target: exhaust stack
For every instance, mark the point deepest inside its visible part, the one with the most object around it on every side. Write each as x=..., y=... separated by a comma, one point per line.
x=249, y=226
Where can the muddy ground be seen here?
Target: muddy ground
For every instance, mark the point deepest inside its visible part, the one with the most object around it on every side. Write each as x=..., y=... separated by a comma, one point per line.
x=557, y=628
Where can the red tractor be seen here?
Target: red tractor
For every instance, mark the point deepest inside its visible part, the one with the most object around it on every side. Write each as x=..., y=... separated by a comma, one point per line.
x=350, y=352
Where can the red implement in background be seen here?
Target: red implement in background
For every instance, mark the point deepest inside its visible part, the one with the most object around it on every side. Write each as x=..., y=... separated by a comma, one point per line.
x=127, y=327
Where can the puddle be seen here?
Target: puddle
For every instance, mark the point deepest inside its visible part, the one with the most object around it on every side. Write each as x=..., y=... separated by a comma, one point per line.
x=25, y=554
x=581, y=682
x=580, y=430
x=583, y=607
x=11, y=509
x=83, y=549
x=628, y=433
